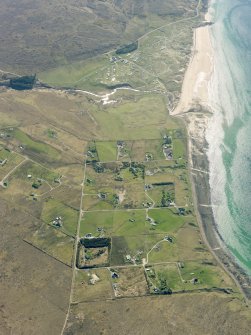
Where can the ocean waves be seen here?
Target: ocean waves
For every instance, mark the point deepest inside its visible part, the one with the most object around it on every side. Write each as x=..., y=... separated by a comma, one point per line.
x=229, y=132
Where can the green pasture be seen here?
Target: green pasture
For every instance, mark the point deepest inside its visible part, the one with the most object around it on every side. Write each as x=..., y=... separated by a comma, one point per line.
x=53, y=242
x=53, y=208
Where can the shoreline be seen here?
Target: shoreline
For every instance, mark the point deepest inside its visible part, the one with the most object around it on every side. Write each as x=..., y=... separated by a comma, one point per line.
x=194, y=109
x=199, y=70
x=199, y=172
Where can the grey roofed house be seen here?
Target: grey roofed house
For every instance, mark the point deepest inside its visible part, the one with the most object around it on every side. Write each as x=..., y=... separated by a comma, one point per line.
x=120, y=143
x=3, y=161
x=115, y=275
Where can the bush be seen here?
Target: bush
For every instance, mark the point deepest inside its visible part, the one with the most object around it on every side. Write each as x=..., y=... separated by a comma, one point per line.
x=127, y=48
x=23, y=83
x=100, y=242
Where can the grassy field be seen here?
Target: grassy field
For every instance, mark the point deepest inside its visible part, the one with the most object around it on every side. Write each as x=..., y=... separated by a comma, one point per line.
x=128, y=250
x=125, y=119
x=53, y=242
x=4, y=153
x=116, y=204
x=114, y=223
x=132, y=234
x=93, y=202
x=167, y=179
x=129, y=223
x=162, y=195
x=168, y=220
x=131, y=150
x=146, y=231
x=12, y=161
x=179, y=149
x=73, y=75
x=85, y=291
x=131, y=282
x=58, y=138
x=53, y=208
x=30, y=181
x=77, y=118
x=34, y=146
x=188, y=276
x=93, y=220
x=168, y=272
x=207, y=274
x=35, y=172
x=179, y=178
x=107, y=151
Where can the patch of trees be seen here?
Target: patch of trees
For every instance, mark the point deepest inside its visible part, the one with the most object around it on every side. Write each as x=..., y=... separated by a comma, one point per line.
x=178, y=166
x=166, y=198
x=127, y=48
x=92, y=149
x=97, y=167
x=115, y=200
x=99, y=242
x=137, y=169
x=125, y=165
x=163, y=184
x=163, y=287
x=113, y=87
x=182, y=211
x=36, y=184
x=23, y=83
x=89, y=255
x=167, y=140
x=128, y=205
x=118, y=178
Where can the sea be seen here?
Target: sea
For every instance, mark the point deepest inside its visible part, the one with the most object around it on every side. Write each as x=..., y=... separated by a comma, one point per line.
x=229, y=131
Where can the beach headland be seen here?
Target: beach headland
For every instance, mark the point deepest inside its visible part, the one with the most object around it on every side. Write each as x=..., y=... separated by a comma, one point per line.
x=194, y=109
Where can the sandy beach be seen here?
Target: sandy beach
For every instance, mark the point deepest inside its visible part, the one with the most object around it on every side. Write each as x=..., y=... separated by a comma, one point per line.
x=200, y=68
x=194, y=109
